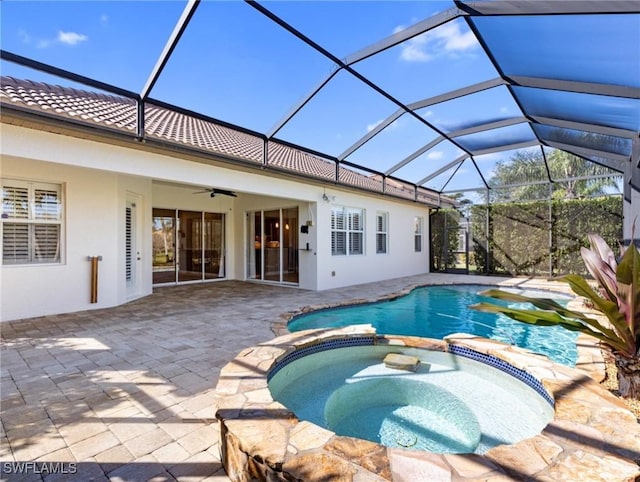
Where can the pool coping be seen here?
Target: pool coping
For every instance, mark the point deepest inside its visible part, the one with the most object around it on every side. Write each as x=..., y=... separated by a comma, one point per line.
x=592, y=431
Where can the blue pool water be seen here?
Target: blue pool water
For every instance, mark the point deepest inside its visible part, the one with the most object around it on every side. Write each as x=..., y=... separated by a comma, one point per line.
x=437, y=311
x=449, y=404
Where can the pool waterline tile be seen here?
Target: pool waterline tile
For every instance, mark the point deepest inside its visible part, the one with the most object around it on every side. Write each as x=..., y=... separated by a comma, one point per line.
x=509, y=369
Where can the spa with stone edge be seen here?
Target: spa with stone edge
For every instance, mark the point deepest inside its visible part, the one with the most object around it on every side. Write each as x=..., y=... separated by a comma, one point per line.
x=348, y=404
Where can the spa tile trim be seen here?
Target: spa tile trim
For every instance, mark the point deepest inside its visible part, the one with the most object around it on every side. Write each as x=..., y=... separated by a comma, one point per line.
x=502, y=365
x=317, y=348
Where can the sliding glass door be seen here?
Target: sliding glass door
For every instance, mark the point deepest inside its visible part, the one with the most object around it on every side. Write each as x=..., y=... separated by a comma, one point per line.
x=187, y=246
x=290, y=246
x=272, y=245
x=164, y=246
x=213, y=245
x=190, y=257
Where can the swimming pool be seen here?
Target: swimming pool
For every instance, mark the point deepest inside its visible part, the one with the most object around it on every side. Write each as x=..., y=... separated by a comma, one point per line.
x=438, y=311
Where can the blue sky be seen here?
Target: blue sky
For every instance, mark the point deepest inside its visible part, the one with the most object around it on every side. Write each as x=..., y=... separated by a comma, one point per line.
x=236, y=65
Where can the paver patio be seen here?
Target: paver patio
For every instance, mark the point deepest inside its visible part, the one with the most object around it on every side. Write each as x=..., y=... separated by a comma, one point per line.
x=128, y=393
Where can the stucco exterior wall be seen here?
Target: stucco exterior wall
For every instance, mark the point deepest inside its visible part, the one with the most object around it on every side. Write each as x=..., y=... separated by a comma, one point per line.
x=93, y=206
x=99, y=178
x=400, y=259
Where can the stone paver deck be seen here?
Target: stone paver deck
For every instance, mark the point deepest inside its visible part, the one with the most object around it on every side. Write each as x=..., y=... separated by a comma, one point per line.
x=592, y=436
x=127, y=393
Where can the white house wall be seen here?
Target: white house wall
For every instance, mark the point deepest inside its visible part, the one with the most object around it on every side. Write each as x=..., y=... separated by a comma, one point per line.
x=98, y=178
x=400, y=259
x=93, y=203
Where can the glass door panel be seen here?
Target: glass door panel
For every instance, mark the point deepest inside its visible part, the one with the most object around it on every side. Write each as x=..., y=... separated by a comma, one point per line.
x=214, y=246
x=290, y=245
x=190, y=253
x=254, y=245
x=164, y=246
x=271, y=245
x=187, y=246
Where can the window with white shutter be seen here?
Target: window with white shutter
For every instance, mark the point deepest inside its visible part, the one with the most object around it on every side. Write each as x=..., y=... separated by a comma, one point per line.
x=31, y=222
x=417, y=234
x=338, y=232
x=128, y=235
x=381, y=232
x=347, y=231
x=15, y=202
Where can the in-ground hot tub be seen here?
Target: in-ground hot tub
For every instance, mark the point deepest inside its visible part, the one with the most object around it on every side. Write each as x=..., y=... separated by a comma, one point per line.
x=261, y=439
x=451, y=403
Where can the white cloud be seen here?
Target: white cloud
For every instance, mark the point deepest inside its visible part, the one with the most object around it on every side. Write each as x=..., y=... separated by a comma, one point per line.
x=71, y=38
x=490, y=157
x=370, y=127
x=414, y=50
x=104, y=19
x=435, y=155
x=24, y=36
x=447, y=39
x=504, y=110
x=66, y=38
x=43, y=43
x=394, y=125
x=454, y=39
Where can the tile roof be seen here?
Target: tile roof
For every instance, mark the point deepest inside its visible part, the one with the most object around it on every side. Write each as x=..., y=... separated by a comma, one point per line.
x=119, y=113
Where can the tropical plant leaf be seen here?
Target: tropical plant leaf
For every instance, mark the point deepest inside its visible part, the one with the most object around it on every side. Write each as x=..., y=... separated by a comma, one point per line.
x=602, y=249
x=534, y=317
x=541, y=303
x=515, y=297
x=550, y=305
x=610, y=309
x=628, y=277
x=620, y=300
x=546, y=318
x=602, y=272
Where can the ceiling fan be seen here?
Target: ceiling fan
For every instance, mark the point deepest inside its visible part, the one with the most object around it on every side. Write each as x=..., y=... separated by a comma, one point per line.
x=214, y=190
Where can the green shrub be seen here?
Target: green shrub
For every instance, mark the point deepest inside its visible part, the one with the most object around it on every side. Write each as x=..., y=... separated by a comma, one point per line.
x=537, y=238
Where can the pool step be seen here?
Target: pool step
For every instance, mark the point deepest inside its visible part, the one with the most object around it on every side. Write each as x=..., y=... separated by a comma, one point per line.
x=401, y=362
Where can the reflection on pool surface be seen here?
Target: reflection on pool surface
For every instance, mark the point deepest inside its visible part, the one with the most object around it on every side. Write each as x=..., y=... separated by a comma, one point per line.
x=437, y=311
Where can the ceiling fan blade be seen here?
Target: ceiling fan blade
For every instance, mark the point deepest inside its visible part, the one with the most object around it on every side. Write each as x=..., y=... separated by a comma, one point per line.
x=215, y=191
x=224, y=192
